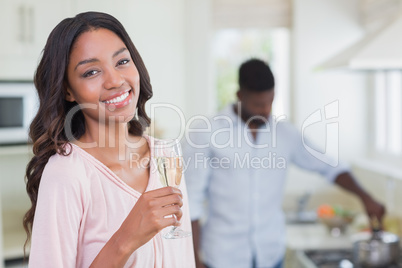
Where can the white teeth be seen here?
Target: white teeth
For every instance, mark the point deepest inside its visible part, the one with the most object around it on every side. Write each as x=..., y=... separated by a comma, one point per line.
x=118, y=99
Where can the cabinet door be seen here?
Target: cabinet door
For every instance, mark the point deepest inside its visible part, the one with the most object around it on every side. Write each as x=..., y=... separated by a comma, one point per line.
x=25, y=27
x=15, y=51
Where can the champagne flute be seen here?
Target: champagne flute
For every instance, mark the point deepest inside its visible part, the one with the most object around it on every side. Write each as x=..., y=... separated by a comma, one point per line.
x=169, y=161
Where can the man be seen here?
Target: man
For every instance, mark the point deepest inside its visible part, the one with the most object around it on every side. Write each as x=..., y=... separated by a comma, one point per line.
x=237, y=162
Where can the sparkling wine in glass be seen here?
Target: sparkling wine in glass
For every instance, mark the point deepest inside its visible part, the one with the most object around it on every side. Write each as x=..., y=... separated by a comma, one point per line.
x=169, y=162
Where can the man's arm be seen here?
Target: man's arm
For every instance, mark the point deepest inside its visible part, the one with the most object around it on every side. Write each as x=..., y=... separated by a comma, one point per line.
x=195, y=226
x=373, y=208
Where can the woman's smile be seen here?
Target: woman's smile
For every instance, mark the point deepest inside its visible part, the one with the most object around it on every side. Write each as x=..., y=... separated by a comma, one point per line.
x=122, y=99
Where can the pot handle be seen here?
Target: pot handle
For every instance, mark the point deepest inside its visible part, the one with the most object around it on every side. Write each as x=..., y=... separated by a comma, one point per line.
x=375, y=227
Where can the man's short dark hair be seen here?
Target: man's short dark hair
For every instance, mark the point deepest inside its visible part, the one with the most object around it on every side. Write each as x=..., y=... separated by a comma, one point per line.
x=255, y=75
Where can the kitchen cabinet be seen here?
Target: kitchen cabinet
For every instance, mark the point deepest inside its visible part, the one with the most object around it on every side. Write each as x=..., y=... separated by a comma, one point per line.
x=13, y=199
x=26, y=25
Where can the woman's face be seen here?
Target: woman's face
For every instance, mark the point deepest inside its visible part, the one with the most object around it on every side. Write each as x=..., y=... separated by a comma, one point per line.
x=102, y=77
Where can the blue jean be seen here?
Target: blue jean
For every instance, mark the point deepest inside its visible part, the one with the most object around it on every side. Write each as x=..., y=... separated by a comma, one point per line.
x=278, y=265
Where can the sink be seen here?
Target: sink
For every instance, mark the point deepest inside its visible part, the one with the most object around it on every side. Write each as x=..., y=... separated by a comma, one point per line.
x=303, y=217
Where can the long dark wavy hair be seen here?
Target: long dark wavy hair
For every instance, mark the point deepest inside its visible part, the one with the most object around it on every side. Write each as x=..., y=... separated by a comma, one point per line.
x=47, y=129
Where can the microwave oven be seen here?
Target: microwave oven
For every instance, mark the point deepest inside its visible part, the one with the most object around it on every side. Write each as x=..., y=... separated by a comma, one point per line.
x=18, y=106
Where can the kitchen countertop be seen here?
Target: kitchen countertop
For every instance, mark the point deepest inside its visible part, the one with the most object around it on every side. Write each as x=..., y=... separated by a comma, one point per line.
x=315, y=236
x=301, y=237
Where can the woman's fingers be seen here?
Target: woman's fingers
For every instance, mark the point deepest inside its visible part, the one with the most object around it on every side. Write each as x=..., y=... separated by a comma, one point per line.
x=167, y=207
x=164, y=191
x=175, y=210
x=167, y=197
x=171, y=200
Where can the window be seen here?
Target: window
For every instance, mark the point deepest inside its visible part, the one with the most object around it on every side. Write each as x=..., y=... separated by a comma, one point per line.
x=388, y=114
x=231, y=47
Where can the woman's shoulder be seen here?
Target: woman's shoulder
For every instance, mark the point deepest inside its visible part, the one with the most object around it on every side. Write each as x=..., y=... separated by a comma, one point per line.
x=68, y=158
x=65, y=176
x=69, y=164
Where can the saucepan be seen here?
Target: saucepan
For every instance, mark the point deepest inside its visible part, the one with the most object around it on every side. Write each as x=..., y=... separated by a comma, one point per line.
x=376, y=249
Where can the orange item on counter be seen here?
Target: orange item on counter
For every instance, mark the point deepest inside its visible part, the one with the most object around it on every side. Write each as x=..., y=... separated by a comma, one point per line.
x=325, y=211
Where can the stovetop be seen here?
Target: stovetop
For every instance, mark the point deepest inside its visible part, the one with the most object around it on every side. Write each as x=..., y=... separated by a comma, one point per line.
x=338, y=258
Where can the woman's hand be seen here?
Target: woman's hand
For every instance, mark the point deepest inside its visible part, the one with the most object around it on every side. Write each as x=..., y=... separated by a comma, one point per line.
x=148, y=216
x=145, y=220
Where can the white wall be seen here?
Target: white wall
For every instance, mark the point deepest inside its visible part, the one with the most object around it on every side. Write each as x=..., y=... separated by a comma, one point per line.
x=199, y=79
x=320, y=30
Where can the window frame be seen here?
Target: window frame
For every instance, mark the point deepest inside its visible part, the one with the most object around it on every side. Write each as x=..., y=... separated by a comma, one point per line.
x=376, y=150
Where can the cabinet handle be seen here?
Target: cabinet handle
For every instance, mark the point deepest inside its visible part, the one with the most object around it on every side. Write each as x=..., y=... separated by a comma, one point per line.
x=21, y=18
x=26, y=33
x=31, y=26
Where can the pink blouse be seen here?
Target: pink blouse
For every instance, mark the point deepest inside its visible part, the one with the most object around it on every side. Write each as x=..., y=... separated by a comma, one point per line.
x=82, y=203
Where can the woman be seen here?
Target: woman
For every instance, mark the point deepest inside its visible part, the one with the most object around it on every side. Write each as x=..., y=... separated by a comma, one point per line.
x=95, y=199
